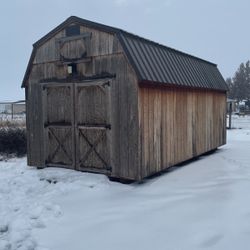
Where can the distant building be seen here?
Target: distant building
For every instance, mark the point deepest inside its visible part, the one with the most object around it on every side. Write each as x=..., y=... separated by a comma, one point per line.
x=15, y=107
x=5, y=108
x=19, y=108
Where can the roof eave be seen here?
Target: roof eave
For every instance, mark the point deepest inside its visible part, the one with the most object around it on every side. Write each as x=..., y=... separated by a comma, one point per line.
x=175, y=86
x=27, y=72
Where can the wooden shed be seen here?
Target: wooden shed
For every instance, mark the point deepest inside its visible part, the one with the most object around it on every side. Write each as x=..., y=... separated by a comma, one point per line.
x=103, y=100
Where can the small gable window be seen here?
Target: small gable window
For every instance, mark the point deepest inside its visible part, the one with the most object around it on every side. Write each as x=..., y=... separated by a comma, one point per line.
x=72, y=69
x=72, y=30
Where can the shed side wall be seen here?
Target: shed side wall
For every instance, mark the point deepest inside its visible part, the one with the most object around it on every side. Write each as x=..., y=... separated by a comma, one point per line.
x=177, y=125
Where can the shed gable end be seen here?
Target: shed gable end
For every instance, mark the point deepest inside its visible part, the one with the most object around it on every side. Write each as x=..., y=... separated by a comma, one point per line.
x=61, y=47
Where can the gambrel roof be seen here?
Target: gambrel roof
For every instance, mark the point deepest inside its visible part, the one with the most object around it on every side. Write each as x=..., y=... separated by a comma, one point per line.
x=151, y=61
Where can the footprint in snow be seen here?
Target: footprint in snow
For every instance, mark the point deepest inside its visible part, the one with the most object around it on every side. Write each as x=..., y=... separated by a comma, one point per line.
x=207, y=238
x=5, y=245
x=38, y=224
x=4, y=228
x=212, y=240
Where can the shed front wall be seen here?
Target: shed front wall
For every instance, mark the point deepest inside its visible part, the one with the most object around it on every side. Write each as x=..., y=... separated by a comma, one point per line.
x=177, y=125
x=105, y=55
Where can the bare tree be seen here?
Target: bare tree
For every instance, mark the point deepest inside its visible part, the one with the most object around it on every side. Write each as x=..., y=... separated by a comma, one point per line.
x=239, y=85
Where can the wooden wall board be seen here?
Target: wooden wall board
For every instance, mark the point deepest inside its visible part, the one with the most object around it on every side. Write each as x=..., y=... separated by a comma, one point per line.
x=177, y=125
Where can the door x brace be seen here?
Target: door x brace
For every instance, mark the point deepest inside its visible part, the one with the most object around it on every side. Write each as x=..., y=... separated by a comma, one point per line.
x=60, y=144
x=93, y=148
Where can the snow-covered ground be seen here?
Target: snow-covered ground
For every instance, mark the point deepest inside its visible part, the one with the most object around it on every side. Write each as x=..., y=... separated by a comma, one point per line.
x=202, y=205
x=239, y=122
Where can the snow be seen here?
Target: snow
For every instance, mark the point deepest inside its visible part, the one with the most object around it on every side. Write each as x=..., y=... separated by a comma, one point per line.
x=240, y=122
x=203, y=205
x=17, y=118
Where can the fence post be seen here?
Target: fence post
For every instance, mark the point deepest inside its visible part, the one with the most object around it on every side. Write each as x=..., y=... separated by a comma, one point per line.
x=12, y=111
x=230, y=115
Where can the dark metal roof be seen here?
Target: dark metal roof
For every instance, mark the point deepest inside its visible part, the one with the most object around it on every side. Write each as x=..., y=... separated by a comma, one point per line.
x=160, y=64
x=154, y=62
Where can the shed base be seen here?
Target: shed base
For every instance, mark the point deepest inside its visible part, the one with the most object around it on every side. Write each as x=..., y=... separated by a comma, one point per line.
x=177, y=166
x=129, y=181
x=121, y=180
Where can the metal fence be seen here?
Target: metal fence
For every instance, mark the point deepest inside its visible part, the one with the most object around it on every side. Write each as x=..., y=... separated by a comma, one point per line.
x=239, y=121
x=12, y=110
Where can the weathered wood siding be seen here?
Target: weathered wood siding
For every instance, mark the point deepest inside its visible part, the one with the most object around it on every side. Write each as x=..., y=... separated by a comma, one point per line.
x=34, y=123
x=105, y=55
x=176, y=125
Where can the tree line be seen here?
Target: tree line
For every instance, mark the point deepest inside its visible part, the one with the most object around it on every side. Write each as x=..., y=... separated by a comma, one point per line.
x=239, y=84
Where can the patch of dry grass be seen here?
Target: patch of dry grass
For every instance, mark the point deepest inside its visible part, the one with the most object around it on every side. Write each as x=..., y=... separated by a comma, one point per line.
x=15, y=123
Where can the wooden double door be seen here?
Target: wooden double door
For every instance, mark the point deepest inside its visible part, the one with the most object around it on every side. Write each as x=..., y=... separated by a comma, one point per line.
x=77, y=129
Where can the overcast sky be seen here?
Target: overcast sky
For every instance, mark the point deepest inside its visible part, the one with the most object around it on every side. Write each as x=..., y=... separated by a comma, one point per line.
x=215, y=30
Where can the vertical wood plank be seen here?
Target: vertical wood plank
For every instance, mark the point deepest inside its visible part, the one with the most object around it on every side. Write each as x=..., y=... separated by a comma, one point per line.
x=151, y=96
